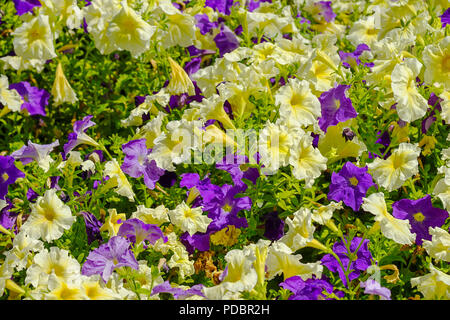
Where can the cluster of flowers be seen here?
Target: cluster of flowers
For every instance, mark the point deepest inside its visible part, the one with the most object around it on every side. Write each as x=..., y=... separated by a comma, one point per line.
x=299, y=75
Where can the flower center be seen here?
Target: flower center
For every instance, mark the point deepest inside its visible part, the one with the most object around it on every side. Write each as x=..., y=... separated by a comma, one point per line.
x=371, y=32
x=296, y=100
x=5, y=176
x=353, y=181
x=49, y=214
x=419, y=217
x=397, y=161
x=188, y=213
x=227, y=207
x=115, y=261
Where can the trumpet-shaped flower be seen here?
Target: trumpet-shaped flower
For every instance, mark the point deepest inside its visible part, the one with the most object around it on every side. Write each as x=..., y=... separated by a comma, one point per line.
x=297, y=103
x=373, y=287
x=93, y=226
x=439, y=245
x=37, y=152
x=34, y=39
x=137, y=231
x=118, y=179
x=128, y=31
x=179, y=80
x=8, y=174
x=436, y=58
x=401, y=165
x=189, y=219
x=79, y=136
x=49, y=217
x=434, y=285
x=56, y=262
x=280, y=259
x=61, y=90
x=411, y=105
x=421, y=215
x=391, y=227
x=9, y=97
x=109, y=256
x=113, y=222
x=301, y=230
x=34, y=99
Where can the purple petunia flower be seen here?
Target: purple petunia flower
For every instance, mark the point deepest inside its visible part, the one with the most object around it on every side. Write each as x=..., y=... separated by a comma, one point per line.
x=325, y=10
x=351, y=59
x=421, y=215
x=24, y=6
x=178, y=293
x=109, y=256
x=336, y=107
x=32, y=195
x=360, y=263
x=445, y=18
x=93, y=226
x=373, y=287
x=223, y=6
x=310, y=289
x=435, y=102
x=226, y=41
x=137, y=231
x=35, y=99
x=273, y=227
x=35, y=152
x=7, y=218
x=350, y=185
x=79, y=136
x=203, y=23
x=238, y=169
x=137, y=164
x=8, y=174
x=198, y=240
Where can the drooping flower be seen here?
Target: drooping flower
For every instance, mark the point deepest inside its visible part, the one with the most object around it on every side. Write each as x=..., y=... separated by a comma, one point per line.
x=401, y=165
x=421, y=215
x=49, y=217
x=350, y=185
x=109, y=256
x=137, y=231
x=310, y=289
x=8, y=174
x=36, y=152
x=373, y=287
x=301, y=230
x=93, y=226
x=336, y=107
x=34, y=99
x=391, y=227
x=79, y=136
x=61, y=90
x=358, y=264
x=179, y=80
x=9, y=97
x=137, y=164
x=113, y=222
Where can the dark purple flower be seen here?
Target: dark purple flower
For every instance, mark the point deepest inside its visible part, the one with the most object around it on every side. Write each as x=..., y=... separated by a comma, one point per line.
x=193, y=66
x=350, y=185
x=445, y=18
x=109, y=256
x=8, y=174
x=223, y=6
x=358, y=264
x=310, y=289
x=204, y=24
x=137, y=164
x=274, y=226
x=37, y=152
x=8, y=219
x=336, y=107
x=35, y=99
x=421, y=215
x=435, y=104
x=93, y=226
x=32, y=195
x=78, y=136
x=226, y=41
x=198, y=240
x=168, y=179
x=24, y=6
x=178, y=293
x=137, y=231
x=239, y=169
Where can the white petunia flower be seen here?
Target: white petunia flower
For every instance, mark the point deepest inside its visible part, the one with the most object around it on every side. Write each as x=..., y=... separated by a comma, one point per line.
x=189, y=219
x=23, y=244
x=180, y=259
x=434, y=285
x=324, y=213
x=391, y=227
x=275, y=143
x=445, y=105
x=436, y=58
x=301, y=230
x=118, y=179
x=158, y=215
x=11, y=99
x=49, y=217
x=411, y=105
x=61, y=90
x=401, y=165
x=439, y=246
